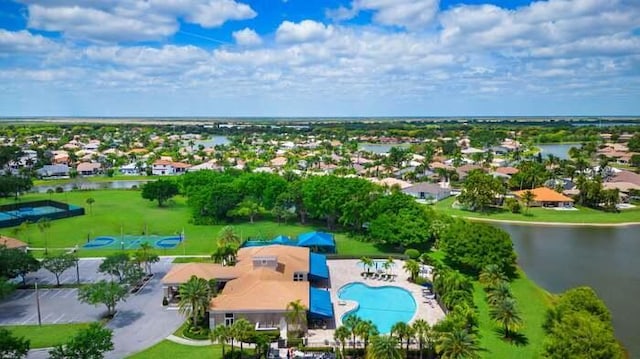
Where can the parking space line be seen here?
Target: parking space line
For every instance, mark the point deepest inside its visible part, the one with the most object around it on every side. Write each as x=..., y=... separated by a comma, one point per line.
x=56, y=292
x=59, y=318
x=44, y=320
x=28, y=320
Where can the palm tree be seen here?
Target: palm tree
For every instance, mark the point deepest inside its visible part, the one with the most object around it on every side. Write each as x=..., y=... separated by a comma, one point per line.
x=221, y=334
x=367, y=262
x=527, y=198
x=228, y=237
x=297, y=314
x=422, y=330
x=90, y=201
x=241, y=329
x=400, y=330
x=498, y=293
x=454, y=297
x=44, y=224
x=491, y=276
x=457, y=344
x=413, y=267
x=351, y=323
x=388, y=265
x=144, y=255
x=194, y=298
x=341, y=335
x=365, y=330
x=383, y=347
x=506, y=313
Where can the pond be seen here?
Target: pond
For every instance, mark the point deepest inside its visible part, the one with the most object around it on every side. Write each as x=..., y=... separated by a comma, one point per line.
x=210, y=142
x=86, y=185
x=559, y=150
x=380, y=148
x=604, y=258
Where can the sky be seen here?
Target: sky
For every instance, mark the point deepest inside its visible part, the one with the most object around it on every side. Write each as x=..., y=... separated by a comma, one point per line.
x=319, y=58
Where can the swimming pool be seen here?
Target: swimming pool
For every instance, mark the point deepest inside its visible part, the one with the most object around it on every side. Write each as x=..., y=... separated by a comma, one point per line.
x=384, y=306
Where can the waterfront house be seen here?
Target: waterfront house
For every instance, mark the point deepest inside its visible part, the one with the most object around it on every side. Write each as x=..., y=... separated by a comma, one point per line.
x=88, y=168
x=165, y=167
x=429, y=192
x=545, y=197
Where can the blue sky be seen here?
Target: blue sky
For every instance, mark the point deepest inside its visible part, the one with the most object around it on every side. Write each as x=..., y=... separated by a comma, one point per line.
x=319, y=57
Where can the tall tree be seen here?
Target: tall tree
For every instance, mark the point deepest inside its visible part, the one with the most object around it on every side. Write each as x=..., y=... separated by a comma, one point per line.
x=90, y=343
x=413, y=267
x=341, y=335
x=144, y=256
x=44, y=224
x=103, y=292
x=195, y=295
x=297, y=314
x=528, y=197
x=115, y=264
x=221, y=334
x=383, y=347
x=365, y=330
x=57, y=264
x=457, y=344
x=491, y=276
x=423, y=333
x=351, y=322
x=160, y=190
x=480, y=190
x=241, y=330
x=506, y=314
x=90, y=201
x=15, y=262
x=248, y=208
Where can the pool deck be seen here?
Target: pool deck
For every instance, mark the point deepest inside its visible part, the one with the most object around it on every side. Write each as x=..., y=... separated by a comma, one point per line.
x=347, y=271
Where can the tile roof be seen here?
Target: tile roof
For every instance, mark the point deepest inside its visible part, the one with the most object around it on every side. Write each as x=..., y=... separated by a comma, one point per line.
x=544, y=194
x=11, y=242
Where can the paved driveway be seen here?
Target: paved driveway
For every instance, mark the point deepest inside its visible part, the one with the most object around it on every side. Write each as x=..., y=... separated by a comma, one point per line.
x=141, y=321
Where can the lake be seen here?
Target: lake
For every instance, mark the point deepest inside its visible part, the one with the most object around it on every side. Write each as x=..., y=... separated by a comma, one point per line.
x=380, y=148
x=86, y=185
x=604, y=258
x=210, y=142
x=559, y=150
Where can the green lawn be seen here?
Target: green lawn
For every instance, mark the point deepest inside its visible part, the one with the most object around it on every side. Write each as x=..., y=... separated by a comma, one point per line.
x=116, y=210
x=171, y=350
x=47, y=335
x=532, y=303
x=582, y=215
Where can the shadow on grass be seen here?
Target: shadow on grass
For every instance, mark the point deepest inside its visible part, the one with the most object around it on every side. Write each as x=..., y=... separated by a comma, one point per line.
x=514, y=338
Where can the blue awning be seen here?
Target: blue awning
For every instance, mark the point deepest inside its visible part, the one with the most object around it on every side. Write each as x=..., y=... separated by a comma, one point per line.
x=318, y=266
x=283, y=240
x=316, y=239
x=320, y=303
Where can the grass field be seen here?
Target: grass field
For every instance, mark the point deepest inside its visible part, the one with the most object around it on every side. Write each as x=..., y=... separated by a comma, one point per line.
x=171, y=350
x=62, y=181
x=125, y=210
x=533, y=303
x=582, y=215
x=47, y=335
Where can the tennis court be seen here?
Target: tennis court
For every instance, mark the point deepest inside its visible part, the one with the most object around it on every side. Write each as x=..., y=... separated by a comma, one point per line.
x=133, y=242
x=16, y=213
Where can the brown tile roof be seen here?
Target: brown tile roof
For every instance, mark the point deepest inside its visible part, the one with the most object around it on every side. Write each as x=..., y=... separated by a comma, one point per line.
x=544, y=194
x=11, y=242
x=252, y=288
x=507, y=170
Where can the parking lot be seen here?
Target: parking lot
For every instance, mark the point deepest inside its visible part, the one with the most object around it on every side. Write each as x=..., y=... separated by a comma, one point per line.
x=57, y=306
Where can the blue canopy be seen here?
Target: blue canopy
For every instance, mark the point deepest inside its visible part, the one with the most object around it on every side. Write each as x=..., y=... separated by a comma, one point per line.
x=318, y=266
x=316, y=239
x=320, y=303
x=283, y=240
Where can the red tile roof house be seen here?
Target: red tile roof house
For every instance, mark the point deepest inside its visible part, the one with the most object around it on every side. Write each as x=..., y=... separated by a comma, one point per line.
x=545, y=197
x=164, y=167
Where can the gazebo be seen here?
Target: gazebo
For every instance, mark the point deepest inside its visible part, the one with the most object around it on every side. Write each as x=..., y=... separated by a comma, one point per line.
x=319, y=242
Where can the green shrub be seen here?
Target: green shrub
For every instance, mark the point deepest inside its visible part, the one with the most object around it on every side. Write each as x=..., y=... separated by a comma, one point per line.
x=421, y=281
x=272, y=335
x=513, y=205
x=412, y=253
x=195, y=333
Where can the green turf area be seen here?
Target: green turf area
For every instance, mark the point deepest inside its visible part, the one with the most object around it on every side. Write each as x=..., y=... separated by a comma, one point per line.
x=582, y=215
x=532, y=303
x=125, y=210
x=47, y=335
x=171, y=350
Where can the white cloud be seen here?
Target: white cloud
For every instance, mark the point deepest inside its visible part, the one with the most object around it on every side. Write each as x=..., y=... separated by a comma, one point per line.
x=23, y=41
x=130, y=20
x=246, y=37
x=304, y=31
x=410, y=14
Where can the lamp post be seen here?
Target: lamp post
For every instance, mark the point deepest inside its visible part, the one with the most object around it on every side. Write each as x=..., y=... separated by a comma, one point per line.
x=38, y=303
x=78, y=271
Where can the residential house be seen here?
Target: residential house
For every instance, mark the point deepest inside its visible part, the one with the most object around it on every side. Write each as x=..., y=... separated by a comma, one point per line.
x=88, y=168
x=53, y=171
x=430, y=192
x=260, y=286
x=133, y=168
x=166, y=167
x=545, y=197
x=12, y=243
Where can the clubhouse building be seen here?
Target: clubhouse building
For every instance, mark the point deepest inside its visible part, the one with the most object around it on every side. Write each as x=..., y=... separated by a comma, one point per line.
x=260, y=286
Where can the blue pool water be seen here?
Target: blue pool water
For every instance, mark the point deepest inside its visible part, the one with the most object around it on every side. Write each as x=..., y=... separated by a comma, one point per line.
x=384, y=306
